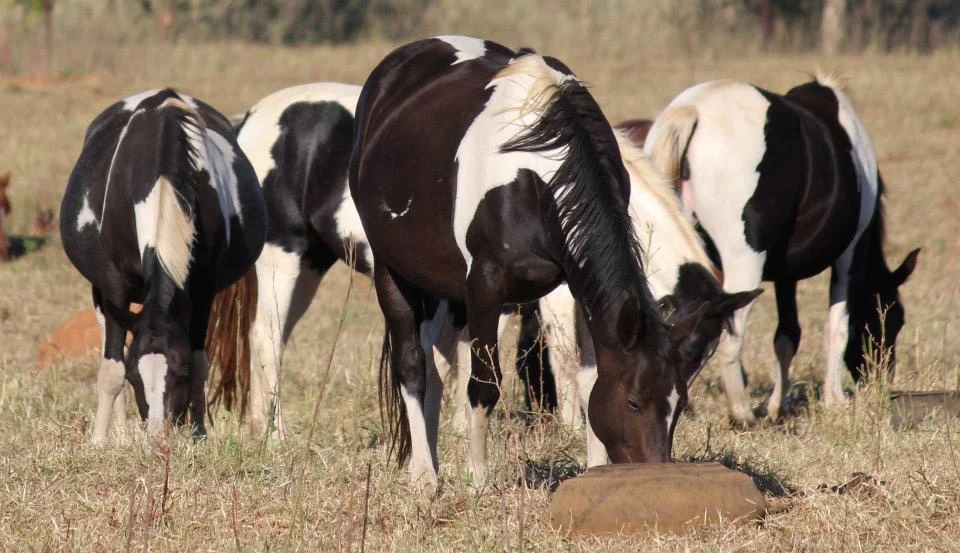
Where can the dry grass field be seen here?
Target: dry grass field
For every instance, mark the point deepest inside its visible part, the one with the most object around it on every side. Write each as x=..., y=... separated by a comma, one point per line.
x=329, y=486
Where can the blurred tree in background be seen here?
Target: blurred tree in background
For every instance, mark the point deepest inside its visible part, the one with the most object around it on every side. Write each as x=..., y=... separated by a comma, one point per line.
x=28, y=28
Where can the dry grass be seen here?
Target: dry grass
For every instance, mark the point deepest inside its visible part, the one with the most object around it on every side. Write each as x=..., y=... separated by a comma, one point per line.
x=236, y=493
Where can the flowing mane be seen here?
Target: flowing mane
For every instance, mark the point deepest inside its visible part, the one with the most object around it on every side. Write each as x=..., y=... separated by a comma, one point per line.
x=645, y=176
x=602, y=254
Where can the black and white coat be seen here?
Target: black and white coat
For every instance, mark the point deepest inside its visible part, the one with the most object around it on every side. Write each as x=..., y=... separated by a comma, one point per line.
x=786, y=186
x=162, y=209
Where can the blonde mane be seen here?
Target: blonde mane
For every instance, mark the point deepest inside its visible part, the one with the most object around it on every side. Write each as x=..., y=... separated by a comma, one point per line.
x=643, y=174
x=834, y=79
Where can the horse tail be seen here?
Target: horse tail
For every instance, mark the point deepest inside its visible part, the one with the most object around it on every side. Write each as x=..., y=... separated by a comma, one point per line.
x=228, y=343
x=669, y=138
x=393, y=412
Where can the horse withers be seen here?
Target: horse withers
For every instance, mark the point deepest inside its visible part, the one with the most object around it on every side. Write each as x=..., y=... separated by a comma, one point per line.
x=162, y=209
x=514, y=186
x=787, y=186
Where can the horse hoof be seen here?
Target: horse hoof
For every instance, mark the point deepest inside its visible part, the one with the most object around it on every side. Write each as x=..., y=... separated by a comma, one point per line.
x=198, y=433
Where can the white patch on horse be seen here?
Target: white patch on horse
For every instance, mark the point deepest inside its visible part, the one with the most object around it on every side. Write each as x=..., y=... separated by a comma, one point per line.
x=667, y=237
x=153, y=371
x=864, y=159
x=481, y=165
x=395, y=214
x=348, y=224
x=262, y=127
x=672, y=400
x=86, y=217
x=162, y=224
x=467, y=47
x=421, y=460
x=110, y=380
x=726, y=149
x=130, y=103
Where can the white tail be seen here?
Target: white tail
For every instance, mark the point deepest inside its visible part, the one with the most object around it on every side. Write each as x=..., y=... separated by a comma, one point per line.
x=668, y=139
x=163, y=224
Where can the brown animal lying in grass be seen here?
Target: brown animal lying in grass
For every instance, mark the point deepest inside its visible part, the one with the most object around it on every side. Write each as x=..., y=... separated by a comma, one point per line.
x=75, y=338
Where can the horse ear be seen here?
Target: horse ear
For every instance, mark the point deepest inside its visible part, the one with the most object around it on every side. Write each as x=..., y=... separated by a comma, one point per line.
x=728, y=304
x=906, y=268
x=5, y=180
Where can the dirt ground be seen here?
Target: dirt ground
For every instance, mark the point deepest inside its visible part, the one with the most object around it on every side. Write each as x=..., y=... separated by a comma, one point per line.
x=329, y=486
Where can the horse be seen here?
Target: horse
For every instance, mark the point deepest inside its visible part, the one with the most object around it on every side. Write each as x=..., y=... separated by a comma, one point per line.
x=786, y=186
x=680, y=276
x=162, y=209
x=298, y=140
x=485, y=177
x=4, y=213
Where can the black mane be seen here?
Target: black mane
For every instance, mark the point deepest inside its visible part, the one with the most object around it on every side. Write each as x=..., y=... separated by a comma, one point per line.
x=601, y=253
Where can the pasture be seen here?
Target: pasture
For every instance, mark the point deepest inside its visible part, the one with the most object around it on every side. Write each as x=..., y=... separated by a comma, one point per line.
x=329, y=486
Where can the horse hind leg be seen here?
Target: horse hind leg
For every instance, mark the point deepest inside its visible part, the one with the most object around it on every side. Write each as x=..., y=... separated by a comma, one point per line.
x=286, y=285
x=111, y=403
x=409, y=374
x=785, y=343
x=743, y=271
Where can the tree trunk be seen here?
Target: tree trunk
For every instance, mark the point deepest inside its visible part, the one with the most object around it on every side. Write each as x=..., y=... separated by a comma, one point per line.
x=832, y=25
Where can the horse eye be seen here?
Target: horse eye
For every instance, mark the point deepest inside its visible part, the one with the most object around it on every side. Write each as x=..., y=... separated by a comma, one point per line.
x=633, y=406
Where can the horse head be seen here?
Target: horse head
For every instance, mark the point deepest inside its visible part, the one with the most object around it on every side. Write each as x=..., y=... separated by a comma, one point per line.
x=877, y=315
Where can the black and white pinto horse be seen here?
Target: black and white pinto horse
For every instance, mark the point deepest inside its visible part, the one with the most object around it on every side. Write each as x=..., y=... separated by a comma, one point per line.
x=484, y=177
x=162, y=209
x=787, y=186
x=298, y=140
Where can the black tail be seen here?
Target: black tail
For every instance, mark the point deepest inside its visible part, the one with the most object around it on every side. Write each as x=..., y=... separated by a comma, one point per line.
x=393, y=412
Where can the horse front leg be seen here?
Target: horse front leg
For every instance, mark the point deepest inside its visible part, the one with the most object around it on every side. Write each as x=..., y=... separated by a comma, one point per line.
x=838, y=330
x=484, y=301
x=785, y=343
x=558, y=311
x=286, y=285
x=111, y=404
x=586, y=378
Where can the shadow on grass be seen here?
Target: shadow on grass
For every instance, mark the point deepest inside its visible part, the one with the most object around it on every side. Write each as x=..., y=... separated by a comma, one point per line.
x=767, y=480
x=549, y=473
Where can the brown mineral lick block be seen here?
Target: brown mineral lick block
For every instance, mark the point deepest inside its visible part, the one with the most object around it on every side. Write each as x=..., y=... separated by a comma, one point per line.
x=669, y=497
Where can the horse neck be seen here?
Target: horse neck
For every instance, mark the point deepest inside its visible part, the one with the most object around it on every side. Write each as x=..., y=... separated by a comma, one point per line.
x=869, y=264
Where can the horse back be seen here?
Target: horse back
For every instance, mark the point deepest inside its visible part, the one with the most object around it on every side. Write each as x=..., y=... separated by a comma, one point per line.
x=412, y=116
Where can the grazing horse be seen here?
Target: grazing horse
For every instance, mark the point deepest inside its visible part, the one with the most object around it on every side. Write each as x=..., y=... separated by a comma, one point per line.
x=4, y=212
x=485, y=177
x=162, y=209
x=785, y=187
x=679, y=273
x=298, y=140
